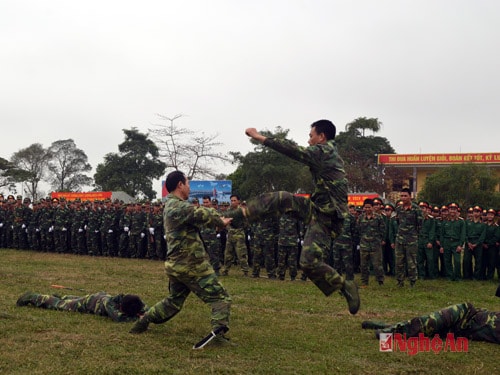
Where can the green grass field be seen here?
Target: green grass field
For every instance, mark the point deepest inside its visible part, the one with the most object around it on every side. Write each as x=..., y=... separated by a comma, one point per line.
x=277, y=327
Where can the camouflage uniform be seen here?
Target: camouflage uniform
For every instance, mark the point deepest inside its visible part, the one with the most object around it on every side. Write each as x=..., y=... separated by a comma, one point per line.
x=426, y=255
x=2, y=219
x=101, y=303
x=463, y=320
x=264, y=249
x=288, y=248
x=61, y=225
x=9, y=226
x=212, y=244
x=22, y=217
x=343, y=245
x=138, y=225
x=452, y=235
x=188, y=265
x=108, y=230
x=409, y=222
x=34, y=238
x=235, y=245
x=371, y=234
x=322, y=213
x=93, y=231
x=159, y=235
x=47, y=227
x=78, y=230
x=2, y=223
x=124, y=241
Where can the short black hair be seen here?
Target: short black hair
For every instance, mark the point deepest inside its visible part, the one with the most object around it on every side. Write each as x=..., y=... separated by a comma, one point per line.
x=368, y=201
x=131, y=304
x=236, y=196
x=173, y=179
x=206, y=197
x=406, y=190
x=326, y=127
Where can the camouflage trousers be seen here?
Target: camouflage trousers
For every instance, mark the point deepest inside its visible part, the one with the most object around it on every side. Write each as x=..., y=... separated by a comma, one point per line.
x=343, y=260
x=207, y=288
x=287, y=258
x=464, y=320
x=61, y=240
x=160, y=246
x=317, y=239
x=373, y=256
x=264, y=253
x=64, y=303
x=236, y=246
x=406, y=260
x=213, y=250
x=94, y=245
x=123, y=245
x=34, y=239
x=20, y=237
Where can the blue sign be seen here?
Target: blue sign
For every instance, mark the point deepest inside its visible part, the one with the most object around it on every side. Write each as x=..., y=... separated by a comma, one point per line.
x=218, y=189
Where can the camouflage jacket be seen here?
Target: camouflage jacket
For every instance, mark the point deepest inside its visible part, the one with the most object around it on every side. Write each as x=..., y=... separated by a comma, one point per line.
x=327, y=169
x=182, y=222
x=104, y=304
x=409, y=223
x=349, y=233
x=371, y=229
x=289, y=231
x=266, y=229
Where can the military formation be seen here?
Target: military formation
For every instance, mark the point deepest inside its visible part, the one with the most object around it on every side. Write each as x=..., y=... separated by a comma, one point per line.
x=99, y=228
x=423, y=241
x=115, y=229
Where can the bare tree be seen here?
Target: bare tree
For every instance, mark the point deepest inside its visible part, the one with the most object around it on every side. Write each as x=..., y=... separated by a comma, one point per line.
x=184, y=149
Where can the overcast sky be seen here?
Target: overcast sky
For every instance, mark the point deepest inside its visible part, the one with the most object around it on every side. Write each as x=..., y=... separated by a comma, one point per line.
x=427, y=69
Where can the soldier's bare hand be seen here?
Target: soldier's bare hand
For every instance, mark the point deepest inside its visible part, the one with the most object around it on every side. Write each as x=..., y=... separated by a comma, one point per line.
x=254, y=134
x=226, y=220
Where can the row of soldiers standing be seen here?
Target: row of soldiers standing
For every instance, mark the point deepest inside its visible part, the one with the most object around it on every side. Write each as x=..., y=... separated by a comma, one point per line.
x=436, y=241
x=272, y=243
x=101, y=228
x=112, y=228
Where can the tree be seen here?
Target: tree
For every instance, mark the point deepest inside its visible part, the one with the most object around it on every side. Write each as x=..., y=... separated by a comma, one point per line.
x=359, y=153
x=466, y=184
x=363, y=123
x=267, y=170
x=8, y=172
x=133, y=169
x=67, y=166
x=31, y=166
x=186, y=150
